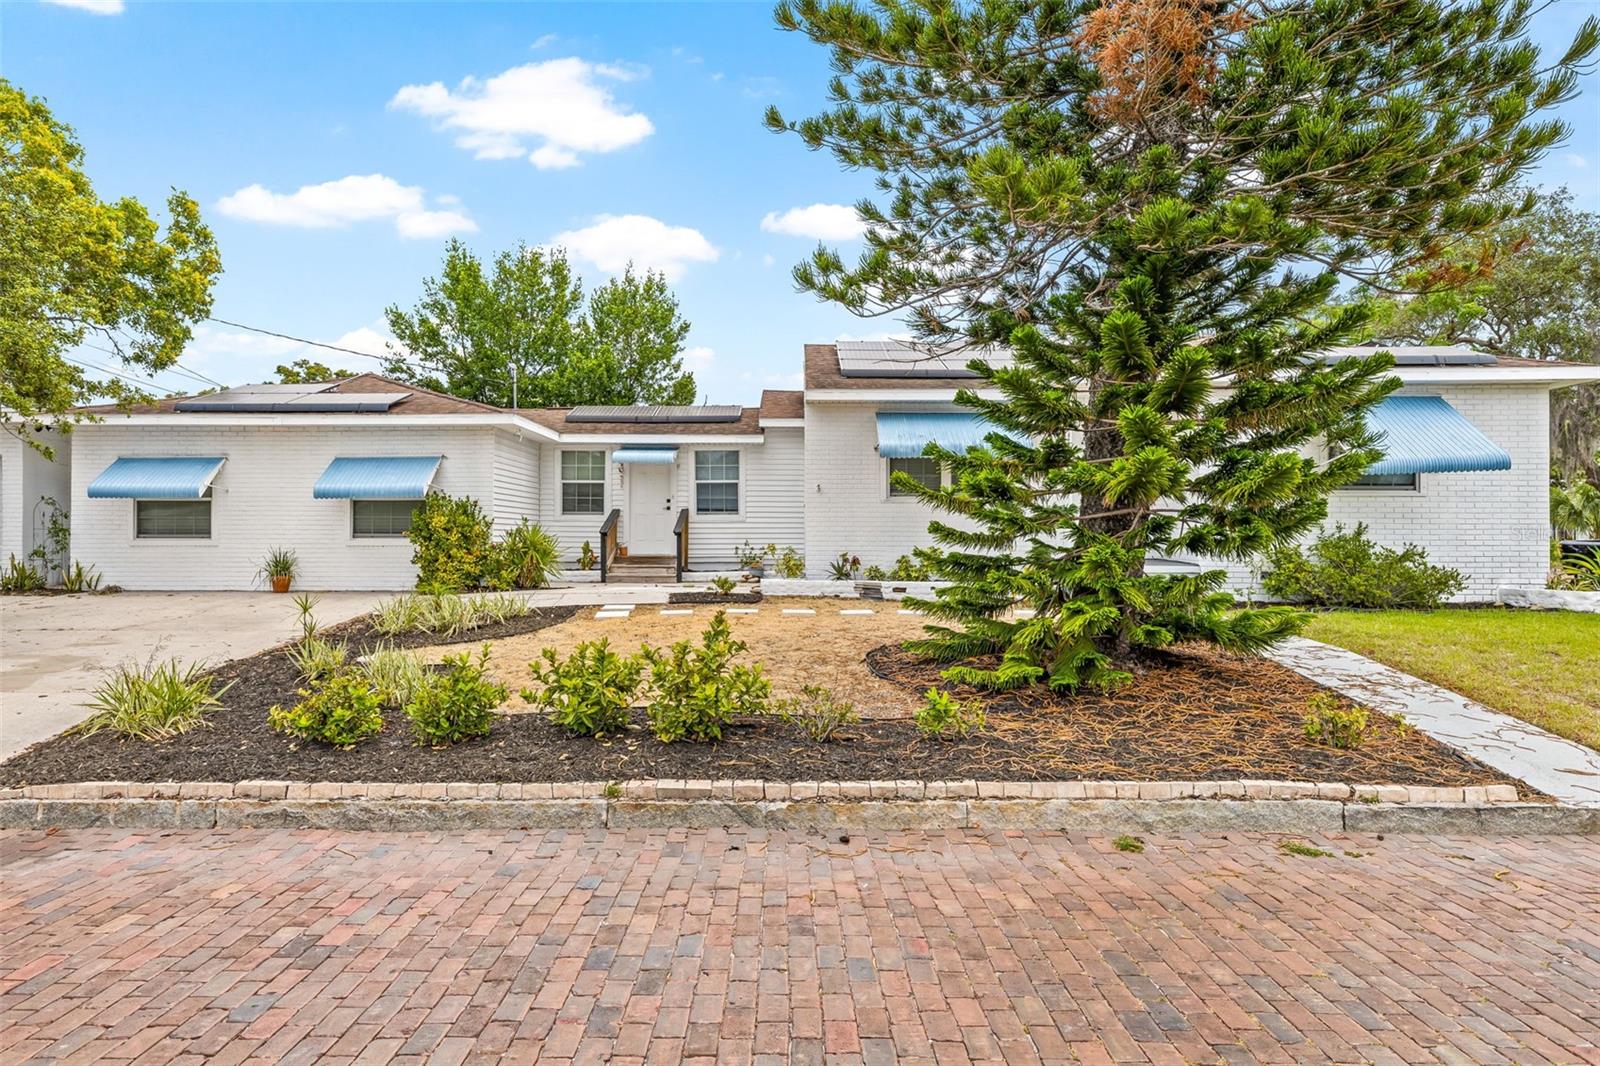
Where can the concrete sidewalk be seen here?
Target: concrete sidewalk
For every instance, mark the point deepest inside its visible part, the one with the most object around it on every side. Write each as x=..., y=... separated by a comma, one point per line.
x=53, y=649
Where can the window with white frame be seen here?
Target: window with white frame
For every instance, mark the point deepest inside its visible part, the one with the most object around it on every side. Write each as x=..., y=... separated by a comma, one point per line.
x=381, y=518
x=716, y=482
x=923, y=471
x=172, y=519
x=583, y=482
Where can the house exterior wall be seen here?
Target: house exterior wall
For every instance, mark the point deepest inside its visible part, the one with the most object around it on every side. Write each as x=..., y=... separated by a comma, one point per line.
x=262, y=500
x=1492, y=525
x=515, y=480
x=25, y=477
x=771, y=500
x=846, y=491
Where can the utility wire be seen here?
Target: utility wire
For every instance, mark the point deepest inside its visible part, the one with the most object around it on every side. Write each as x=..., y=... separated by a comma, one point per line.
x=116, y=374
x=175, y=368
x=319, y=344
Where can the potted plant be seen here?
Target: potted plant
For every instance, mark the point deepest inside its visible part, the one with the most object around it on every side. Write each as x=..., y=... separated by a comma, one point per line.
x=753, y=561
x=279, y=568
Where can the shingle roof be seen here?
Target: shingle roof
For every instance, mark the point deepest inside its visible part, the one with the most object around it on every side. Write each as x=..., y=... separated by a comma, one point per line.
x=421, y=401
x=783, y=403
x=555, y=418
x=822, y=372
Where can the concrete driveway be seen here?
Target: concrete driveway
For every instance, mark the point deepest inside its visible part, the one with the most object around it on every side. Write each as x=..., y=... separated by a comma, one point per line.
x=53, y=649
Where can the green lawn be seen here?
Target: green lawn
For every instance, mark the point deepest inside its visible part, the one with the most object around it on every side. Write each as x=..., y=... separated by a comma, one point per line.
x=1540, y=666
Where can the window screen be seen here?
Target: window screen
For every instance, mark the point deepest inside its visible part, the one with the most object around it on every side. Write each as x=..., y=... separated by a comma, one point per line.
x=381, y=518
x=177, y=519
x=583, y=482
x=923, y=471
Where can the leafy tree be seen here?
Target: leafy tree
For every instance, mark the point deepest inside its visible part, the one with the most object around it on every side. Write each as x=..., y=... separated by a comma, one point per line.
x=75, y=270
x=472, y=325
x=309, y=372
x=1152, y=202
x=1541, y=300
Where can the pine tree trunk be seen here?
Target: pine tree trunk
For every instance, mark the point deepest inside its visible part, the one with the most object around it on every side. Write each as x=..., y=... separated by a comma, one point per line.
x=1101, y=444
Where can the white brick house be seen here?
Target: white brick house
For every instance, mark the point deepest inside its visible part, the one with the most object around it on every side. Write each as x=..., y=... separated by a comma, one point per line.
x=192, y=493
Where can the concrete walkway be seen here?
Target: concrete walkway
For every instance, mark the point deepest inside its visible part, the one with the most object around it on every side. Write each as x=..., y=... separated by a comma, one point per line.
x=54, y=649
x=1558, y=767
x=748, y=947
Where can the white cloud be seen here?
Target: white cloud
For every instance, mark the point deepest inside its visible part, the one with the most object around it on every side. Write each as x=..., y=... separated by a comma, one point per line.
x=613, y=241
x=357, y=198
x=237, y=356
x=823, y=222
x=1575, y=161
x=698, y=357
x=768, y=260
x=95, y=7
x=560, y=103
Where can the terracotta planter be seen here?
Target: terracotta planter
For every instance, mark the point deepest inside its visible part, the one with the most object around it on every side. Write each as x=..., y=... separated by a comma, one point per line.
x=280, y=582
x=622, y=551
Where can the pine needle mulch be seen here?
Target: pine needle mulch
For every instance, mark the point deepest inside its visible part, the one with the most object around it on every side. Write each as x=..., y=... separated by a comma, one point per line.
x=1193, y=714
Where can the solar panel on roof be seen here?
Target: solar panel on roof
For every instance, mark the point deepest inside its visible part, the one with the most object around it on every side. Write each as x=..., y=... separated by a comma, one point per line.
x=896, y=359
x=277, y=399
x=662, y=413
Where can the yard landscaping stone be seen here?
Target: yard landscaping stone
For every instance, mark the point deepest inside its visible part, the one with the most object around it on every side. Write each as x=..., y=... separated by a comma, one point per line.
x=227, y=946
x=1560, y=768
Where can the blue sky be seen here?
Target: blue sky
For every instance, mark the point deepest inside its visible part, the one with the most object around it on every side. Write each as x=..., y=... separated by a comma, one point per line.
x=334, y=147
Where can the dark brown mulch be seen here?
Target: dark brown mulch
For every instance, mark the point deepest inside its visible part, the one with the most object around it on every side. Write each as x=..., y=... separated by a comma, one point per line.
x=1203, y=717
x=714, y=597
x=361, y=637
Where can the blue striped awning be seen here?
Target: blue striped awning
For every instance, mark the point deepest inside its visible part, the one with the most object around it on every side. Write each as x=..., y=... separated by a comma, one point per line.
x=1425, y=435
x=385, y=477
x=185, y=477
x=655, y=456
x=903, y=435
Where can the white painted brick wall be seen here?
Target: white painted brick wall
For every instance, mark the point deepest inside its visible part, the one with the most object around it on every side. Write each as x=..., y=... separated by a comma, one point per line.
x=25, y=476
x=262, y=500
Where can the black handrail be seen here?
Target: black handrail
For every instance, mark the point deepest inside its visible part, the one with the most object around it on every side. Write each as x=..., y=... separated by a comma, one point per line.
x=608, y=537
x=680, y=538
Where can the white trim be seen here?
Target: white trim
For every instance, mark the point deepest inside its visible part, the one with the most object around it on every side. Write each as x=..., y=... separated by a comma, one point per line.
x=893, y=395
x=781, y=423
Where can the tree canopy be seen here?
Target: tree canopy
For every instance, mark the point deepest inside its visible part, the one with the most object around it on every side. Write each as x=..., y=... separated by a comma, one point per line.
x=1541, y=300
x=619, y=345
x=77, y=270
x=309, y=372
x=1152, y=204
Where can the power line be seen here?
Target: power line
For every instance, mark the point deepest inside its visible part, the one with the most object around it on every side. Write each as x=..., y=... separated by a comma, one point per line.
x=312, y=343
x=107, y=370
x=176, y=368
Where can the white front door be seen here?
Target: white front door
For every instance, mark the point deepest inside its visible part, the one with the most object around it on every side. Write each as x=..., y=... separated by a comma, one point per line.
x=651, y=513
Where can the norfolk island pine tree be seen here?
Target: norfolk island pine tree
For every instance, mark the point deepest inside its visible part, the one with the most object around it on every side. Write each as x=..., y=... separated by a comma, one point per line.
x=1152, y=203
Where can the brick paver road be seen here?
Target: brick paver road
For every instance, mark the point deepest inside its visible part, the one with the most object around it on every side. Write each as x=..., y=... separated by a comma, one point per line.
x=746, y=946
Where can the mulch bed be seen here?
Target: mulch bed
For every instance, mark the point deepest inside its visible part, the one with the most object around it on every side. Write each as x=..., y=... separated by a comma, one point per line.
x=362, y=638
x=1203, y=716
x=732, y=598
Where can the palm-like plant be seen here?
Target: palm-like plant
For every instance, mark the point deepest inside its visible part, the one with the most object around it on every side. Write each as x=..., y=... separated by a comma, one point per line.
x=1575, y=509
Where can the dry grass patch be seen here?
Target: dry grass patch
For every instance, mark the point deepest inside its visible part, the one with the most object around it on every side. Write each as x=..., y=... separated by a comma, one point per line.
x=825, y=648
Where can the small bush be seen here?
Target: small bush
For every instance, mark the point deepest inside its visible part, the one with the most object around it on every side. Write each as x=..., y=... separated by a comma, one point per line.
x=587, y=559
x=910, y=568
x=817, y=713
x=18, y=576
x=452, y=540
x=1346, y=569
x=317, y=658
x=942, y=715
x=340, y=710
x=1329, y=722
x=844, y=568
x=590, y=691
x=875, y=573
x=153, y=700
x=723, y=585
x=457, y=703
x=403, y=614
x=444, y=616
x=1131, y=845
x=698, y=690
x=790, y=563
x=525, y=558
x=394, y=672
x=80, y=578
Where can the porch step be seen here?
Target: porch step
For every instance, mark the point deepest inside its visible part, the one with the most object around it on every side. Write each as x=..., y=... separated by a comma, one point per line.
x=643, y=570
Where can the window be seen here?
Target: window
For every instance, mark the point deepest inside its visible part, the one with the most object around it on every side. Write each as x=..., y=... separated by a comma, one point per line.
x=716, y=482
x=583, y=482
x=924, y=472
x=1384, y=481
x=172, y=519
x=381, y=518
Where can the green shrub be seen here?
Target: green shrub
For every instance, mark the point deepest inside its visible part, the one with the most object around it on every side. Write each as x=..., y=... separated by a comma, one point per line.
x=587, y=559
x=1330, y=722
x=403, y=614
x=317, y=658
x=457, y=703
x=444, y=616
x=844, y=568
x=942, y=715
x=1348, y=570
x=153, y=700
x=790, y=563
x=875, y=573
x=723, y=585
x=1581, y=573
x=910, y=568
x=590, y=691
x=79, y=578
x=341, y=710
x=817, y=713
x=18, y=576
x=525, y=558
x=698, y=690
x=394, y=672
x=452, y=540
